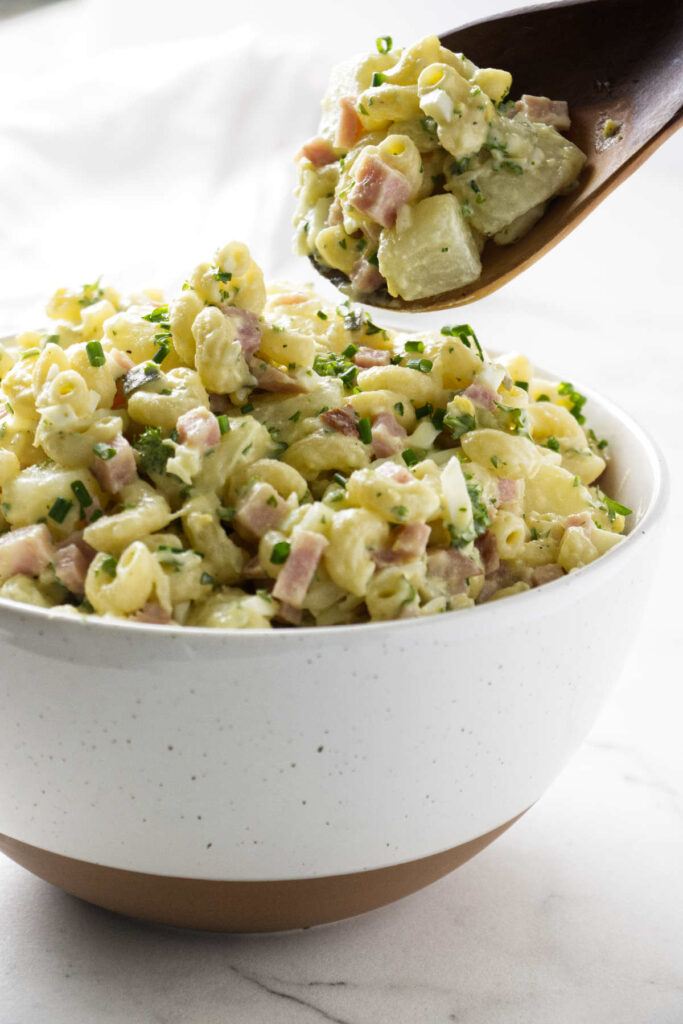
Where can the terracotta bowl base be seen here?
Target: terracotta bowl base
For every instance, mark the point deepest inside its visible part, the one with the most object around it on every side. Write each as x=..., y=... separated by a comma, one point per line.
x=241, y=906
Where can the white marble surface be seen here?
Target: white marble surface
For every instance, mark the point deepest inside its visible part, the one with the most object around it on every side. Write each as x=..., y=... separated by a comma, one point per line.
x=574, y=916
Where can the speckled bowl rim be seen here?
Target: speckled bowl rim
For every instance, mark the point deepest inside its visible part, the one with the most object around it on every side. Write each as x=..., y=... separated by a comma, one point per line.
x=515, y=607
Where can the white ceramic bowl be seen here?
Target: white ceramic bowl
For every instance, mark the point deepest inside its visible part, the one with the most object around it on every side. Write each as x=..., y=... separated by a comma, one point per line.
x=259, y=780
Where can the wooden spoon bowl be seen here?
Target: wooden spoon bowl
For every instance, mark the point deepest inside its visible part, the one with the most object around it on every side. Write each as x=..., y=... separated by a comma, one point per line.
x=618, y=60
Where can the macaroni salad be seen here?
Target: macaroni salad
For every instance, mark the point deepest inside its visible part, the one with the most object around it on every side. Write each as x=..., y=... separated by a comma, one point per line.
x=419, y=160
x=242, y=458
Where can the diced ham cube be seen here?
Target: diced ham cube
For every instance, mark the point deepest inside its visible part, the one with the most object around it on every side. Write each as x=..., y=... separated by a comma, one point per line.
x=494, y=581
x=380, y=190
x=487, y=546
x=365, y=276
x=289, y=299
x=546, y=574
x=71, y=567
x=366, y=357
x=25, y=551
x=343, y=420
x=199, y=429
x=451, y=565
x=153, y=614
x=247, y=327
x=289, y=614
x=218, y=403
x=399, y=474
x=297, y=572
x=270, y=378
x=122, y=359
x=387, y=436
x=350, y=126
x=582, y=520
x=508, y=490
x=479, y=394
x=319, y=151
x=540, y=108
x=411, y=540
x=336, y=214
x=115, y=473
x=260, y=510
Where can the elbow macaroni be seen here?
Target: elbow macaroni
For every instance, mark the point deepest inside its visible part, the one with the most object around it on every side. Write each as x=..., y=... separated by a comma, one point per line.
x=367, y=473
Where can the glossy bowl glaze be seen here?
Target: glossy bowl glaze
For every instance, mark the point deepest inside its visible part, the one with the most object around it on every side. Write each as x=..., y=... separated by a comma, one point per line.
x=260, y=780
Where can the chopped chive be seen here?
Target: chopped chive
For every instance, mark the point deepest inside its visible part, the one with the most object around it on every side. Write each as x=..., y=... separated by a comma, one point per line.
x=400, y=511
x=249, y=407
x=350, y=351
x=438, y=418
x=339, y=479
x=615, y=508
x=410, y=457
x=423, y=365
x=424, y=410
x=60, y=509
x=415, y=346
x=82, y=494
x=378, y=79
x=223, y=275
x=523, y=384
x=96, y=355
x=223, y=423
x=109, y=565
x=398, y=406
x=384, y=44
x=280, y=552
x=225, y=513
x=104, y=451
x=321, y=315
x=295, y=416
x=157, y=315
x=552, y=443
x=365, y=430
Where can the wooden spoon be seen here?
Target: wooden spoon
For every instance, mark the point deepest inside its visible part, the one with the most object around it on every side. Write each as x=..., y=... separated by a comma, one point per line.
x=618, y=60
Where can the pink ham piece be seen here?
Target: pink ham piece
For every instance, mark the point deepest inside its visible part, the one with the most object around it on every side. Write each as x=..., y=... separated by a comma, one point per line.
x=113, y=474
x=399, y=474
x=451, y=565
x=350, y=127
x=270, y=378
x=153, y=614
x=71, y=568
x=546, y=574
x=297, y=572
x=580, y=519
x=343, y=420
x=479, y=394
x=260, y=510
x=122, y=359
x=487, y=546
x=26, y=551
x=319, y=151
x=336, y=214
x=366, y=357
x=365, y=277
x=199, y=429
x=247, y=327
x=410, y=542
x=380, y=190
x=387, y=436
x=508, y=490
x=289, y=614
x=218, y=403
x=493, y=582
x=540, y=108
